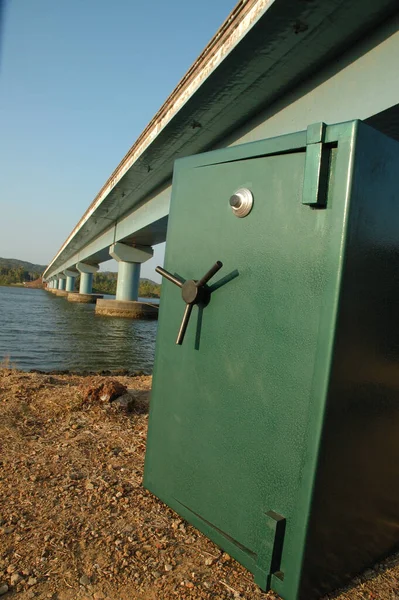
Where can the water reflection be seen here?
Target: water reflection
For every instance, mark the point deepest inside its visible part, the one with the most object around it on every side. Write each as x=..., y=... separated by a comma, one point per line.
x=43, y=331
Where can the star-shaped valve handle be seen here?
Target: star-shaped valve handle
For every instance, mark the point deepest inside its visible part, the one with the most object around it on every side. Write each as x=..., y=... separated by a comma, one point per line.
x=192, y=292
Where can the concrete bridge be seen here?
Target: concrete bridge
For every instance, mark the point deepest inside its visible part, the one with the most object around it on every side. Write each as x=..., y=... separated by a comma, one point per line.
x=274, y=67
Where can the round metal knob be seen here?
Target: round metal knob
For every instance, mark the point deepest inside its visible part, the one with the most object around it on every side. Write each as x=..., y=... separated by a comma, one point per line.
x=241, y=202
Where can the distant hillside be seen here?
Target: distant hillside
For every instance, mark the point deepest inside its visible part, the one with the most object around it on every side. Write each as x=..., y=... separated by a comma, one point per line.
x=14, y=263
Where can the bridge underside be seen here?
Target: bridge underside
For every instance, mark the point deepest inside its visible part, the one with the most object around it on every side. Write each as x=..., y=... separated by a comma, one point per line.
x=299, y=63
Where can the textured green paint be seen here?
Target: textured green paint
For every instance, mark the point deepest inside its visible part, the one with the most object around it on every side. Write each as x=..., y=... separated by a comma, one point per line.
x=237, y=411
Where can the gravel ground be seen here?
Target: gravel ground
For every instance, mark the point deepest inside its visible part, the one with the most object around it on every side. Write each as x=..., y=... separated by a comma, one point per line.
x=75, y=521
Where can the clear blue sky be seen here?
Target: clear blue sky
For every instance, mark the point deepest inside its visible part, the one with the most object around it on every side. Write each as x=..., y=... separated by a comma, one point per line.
x=79, y=81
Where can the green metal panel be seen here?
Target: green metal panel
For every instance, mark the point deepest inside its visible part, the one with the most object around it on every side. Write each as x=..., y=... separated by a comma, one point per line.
x=237, y=411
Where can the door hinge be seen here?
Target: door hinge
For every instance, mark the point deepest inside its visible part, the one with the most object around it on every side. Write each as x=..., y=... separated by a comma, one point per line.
x=269, y=557
x=317, y=162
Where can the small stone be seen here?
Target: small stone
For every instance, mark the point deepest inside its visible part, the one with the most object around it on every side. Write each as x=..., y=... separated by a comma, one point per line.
x=209, y=561
x=31, y=594
x=3, y=589
x=156, y=574
x=8, y=530
x=84, y=580
x=89, y=486
x=168, y=567
x=98, y=596
x=15, y=578
x=11, y=569
x=32, y=581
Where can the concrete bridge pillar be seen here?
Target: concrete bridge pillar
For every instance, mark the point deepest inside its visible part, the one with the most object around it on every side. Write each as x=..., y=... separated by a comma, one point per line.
x=60, y=288
x=70, y=280
x=127, y=288
x=86, y=277
x=86, y=284
x=61, y=281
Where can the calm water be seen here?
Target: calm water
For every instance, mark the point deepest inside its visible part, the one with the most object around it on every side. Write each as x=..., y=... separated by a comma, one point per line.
x=41, y=331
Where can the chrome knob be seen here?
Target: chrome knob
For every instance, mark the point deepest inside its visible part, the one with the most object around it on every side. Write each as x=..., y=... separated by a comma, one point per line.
x=241, y=202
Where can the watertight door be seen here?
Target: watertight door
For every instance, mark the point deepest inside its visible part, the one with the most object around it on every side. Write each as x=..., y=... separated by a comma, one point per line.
x=229, y=422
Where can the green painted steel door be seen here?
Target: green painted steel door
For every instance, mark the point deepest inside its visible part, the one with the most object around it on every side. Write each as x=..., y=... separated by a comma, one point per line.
x=230, y=427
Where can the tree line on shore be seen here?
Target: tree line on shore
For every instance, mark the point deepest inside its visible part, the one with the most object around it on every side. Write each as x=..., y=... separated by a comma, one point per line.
x=15, y=275
x=105, y=283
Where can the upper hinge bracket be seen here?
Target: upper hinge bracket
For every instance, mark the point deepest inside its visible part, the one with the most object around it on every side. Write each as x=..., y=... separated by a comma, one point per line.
x=317, y=162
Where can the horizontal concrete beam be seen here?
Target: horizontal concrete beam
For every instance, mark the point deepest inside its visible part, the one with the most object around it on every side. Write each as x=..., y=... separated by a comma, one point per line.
x=146, y=226
x=321, y=93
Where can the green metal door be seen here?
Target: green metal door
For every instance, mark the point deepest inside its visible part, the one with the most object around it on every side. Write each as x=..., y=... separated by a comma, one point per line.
x=230, y=430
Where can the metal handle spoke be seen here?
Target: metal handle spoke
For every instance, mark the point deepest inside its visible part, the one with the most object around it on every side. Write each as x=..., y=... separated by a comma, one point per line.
x=212, y=271
x=184, y=323
x=169, y=276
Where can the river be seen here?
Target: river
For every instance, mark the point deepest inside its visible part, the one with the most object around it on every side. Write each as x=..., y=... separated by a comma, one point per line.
x=41, y=331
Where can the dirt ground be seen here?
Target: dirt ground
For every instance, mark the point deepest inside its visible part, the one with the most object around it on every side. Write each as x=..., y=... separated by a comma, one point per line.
x=75, y=521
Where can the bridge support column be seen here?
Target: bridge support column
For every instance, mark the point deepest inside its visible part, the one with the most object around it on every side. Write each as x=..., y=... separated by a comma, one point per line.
x=85, y=294
x=127, y=288
x=70, y=280
x=60, y=290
